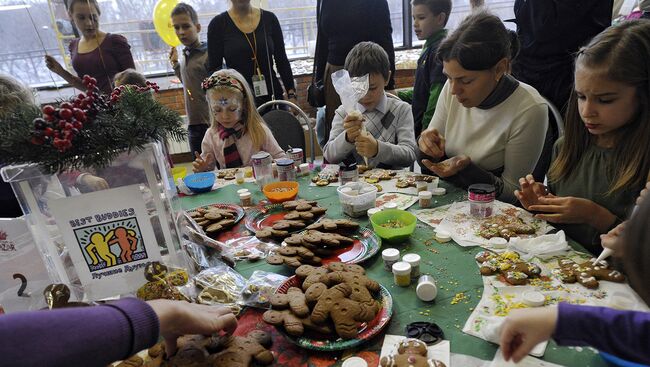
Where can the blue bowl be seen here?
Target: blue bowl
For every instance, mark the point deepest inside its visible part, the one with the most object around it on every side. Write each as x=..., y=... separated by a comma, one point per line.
x=200, y=182
x=613, y=360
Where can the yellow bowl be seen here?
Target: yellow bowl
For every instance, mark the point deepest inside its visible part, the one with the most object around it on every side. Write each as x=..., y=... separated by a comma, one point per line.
x=278, y=192
x=179, y=172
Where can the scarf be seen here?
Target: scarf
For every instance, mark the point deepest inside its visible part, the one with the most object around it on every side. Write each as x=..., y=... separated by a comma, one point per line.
x=504, y=89
x=229, y=137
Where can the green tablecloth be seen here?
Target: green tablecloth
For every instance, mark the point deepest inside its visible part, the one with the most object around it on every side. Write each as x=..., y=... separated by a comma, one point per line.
x=452, y=266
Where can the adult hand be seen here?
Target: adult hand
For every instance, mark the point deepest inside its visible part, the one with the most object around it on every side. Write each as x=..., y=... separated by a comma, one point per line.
x=178, y=318
x=352, y=125
x=524, y=329
x=53, y=65
x=432, y=143
x=200, y=164
x=612, y=240
x=173, y=56
x=530, y=191
x=94, y=183
x=366, y=145
x=448, y=167
x=566, y=209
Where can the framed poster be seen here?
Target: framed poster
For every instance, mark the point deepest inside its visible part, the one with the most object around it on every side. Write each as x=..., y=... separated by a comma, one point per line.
x=110, y=239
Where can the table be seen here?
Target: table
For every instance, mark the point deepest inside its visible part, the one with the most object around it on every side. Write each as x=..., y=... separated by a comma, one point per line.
x=453, y=267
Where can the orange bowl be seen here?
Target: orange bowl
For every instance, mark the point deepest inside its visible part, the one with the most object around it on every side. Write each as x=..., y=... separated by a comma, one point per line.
x=278, y=192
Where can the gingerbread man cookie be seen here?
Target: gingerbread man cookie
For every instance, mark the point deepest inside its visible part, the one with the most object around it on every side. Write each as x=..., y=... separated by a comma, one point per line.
x=587, y=273
x=410, y=353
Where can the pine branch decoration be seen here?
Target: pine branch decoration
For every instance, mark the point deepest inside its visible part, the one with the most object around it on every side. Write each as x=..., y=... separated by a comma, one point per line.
x=131, y=119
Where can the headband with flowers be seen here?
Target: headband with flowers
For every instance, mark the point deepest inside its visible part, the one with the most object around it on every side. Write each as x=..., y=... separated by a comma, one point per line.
x=220, y=80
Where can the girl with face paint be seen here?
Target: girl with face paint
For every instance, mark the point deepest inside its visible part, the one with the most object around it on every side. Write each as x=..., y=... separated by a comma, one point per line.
x=237, y=131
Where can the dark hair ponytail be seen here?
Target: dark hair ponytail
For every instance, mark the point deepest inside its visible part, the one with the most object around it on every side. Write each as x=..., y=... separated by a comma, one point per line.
x=479, y=43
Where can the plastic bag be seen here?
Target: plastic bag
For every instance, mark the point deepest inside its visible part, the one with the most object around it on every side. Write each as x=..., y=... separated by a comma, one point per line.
x=248, y=248
x=260, y=287
x=351, y=90
x=220, y=285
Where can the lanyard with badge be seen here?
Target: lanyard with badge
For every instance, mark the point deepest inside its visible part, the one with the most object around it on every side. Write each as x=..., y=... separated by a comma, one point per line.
x=259, y=84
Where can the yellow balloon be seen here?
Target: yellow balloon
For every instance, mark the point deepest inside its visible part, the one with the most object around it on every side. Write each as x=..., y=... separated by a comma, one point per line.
x=162, y=21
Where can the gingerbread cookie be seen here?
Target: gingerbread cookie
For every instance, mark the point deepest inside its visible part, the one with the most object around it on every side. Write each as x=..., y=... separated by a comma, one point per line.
x=288, y=225
x=270, y=233
x=293, y=324
x=587, y=273
x=514, y=270
x=293, y=299
x=299, y=205
x=504, y=226
x=310, y=275
x=240, y=351
x=361, y=286
x=410, y=353
x=162, y=283
x=344, y=312
x=334, y=225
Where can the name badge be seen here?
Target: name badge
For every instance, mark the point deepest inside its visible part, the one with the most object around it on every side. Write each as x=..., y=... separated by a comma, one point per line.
x=259, y=86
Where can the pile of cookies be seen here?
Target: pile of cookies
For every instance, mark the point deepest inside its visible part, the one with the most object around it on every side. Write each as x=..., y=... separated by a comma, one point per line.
x=504, y=226
x=227, y=173
x=300, y=214
x=321, y=239
x=214, y=351
x=214, y=220
x=410, y=180
x=376, y=175
x=162, y=283
x=332, y=300
x=588, y=274
x=325, y=178
x=514, y=270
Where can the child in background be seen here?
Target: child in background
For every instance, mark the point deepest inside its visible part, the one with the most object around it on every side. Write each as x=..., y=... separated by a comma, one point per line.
x=625, y=334
x=130, y=77
x=603, y=160
x=191, y=69
x=389, y=141
x=237, y=130
x=429, y=20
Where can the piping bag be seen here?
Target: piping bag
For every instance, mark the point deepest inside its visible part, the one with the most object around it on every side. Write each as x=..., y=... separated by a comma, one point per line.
x=351, y=90
x=608, y=252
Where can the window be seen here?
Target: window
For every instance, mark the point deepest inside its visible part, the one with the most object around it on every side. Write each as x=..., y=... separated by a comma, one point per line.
x=22, y=53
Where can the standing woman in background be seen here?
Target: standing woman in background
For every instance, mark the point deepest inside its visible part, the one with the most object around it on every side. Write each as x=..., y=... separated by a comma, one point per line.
x=250, y=39
x=341, y=25
x=98, y=54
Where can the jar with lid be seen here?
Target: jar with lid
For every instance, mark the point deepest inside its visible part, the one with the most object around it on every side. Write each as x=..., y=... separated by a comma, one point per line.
x=426, y=290
x=414, y=261
x=481, y=199
x=425, y=199
x=286, y=169
x=246, y=199
x=348, y=172
x=402, y=273
x=262, y=168
x=390, y=257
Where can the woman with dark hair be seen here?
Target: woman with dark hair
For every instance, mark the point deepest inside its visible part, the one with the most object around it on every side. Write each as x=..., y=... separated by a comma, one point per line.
x=250, y=40
x=97, y=54
x=487, y=127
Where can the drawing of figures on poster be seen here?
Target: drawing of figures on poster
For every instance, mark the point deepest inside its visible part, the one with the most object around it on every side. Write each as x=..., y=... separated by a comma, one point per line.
x=110, y=239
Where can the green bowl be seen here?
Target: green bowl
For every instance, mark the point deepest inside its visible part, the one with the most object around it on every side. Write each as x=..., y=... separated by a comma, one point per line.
x=393, y=234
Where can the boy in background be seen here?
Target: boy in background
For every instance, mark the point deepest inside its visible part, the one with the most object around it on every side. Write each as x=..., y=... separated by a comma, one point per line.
x=191, y=69
x=429, y=20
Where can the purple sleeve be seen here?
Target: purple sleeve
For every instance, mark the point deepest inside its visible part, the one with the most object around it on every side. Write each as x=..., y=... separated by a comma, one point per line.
x=625, y=334
x=122, y=52
x=96, y=335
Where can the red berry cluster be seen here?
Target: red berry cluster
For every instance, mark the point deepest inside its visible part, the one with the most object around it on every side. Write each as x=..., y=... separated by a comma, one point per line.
x=115, y=95
x=59, y=126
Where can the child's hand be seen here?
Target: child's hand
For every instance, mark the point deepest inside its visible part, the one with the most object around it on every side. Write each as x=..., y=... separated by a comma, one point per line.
x=94, y=183
x=612, y=240
x=200, y=164
x=366, y=145
x=643, y=194
x=530, y=191
x=524, y=329
x=53, y=65
x=173, y=56
x=352, y=125
x=448, y=167
x=432, y=143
